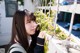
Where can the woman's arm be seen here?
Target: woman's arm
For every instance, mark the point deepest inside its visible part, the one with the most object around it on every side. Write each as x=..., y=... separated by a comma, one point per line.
x=40, y=43
x=39, y=46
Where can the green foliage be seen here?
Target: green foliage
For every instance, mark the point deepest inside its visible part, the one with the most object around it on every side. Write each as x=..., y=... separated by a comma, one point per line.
x=58, y=30
x=62, y=36
x=52, y=13
x=22, y=2
x=46, y=46
x=44, y=22
x=47, y=2
x=32, y=0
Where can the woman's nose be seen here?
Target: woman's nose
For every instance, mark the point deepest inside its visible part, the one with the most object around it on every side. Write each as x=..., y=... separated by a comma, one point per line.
x=34, y=24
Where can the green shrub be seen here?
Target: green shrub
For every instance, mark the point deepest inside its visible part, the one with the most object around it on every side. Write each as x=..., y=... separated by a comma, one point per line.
x=44, y=21
x=57, y=30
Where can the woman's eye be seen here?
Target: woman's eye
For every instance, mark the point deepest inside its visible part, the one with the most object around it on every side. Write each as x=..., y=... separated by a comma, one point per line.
x=34, y=21
x=28, y=22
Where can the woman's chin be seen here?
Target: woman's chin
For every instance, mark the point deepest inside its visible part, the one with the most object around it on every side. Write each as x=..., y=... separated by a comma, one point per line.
x=32, y=33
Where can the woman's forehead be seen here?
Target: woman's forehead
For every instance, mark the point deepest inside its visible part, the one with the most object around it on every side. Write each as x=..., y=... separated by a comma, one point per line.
x=28, y=18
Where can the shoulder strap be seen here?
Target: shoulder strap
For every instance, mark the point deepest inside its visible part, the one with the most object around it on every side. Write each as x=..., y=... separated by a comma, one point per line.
x=16, y=47
x=10, y=49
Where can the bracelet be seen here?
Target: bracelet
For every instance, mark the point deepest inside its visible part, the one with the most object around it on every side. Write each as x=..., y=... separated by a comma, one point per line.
x=39, y=44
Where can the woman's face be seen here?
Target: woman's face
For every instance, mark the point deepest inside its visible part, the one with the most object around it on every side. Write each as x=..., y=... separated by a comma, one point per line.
x=30, y=26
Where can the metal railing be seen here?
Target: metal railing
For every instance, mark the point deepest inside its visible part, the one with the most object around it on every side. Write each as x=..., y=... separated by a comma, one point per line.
x=0, y=23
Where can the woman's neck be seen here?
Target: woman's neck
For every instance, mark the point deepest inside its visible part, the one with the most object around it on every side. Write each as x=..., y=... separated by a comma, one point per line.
x=29, y=39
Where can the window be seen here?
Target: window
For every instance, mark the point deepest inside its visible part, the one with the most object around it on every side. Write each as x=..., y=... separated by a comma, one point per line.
x=78, y=1
x=11, y=7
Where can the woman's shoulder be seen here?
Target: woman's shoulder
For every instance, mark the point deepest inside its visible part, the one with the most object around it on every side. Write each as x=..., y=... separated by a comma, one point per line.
x=16, y=48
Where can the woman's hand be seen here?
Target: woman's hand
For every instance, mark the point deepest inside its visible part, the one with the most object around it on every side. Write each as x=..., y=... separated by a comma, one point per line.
x=42, y=34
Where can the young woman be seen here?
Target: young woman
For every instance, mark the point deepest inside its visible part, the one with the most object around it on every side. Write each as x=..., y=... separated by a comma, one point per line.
x=26, y=35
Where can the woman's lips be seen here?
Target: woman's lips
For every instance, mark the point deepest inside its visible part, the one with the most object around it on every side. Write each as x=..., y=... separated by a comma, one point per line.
x=32, y=29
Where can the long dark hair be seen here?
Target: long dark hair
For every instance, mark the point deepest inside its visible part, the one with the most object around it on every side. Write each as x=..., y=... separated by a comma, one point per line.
x=18, y=29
